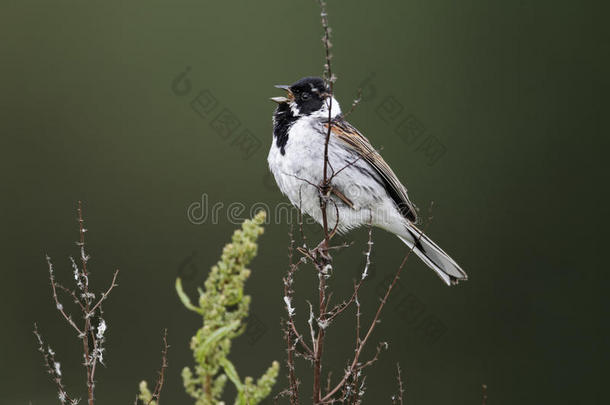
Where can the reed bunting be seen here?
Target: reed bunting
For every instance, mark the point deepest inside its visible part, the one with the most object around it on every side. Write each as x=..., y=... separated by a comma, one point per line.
x=364, y=189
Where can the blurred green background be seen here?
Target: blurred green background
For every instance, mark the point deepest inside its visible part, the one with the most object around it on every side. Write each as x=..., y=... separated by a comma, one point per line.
x=514, y=93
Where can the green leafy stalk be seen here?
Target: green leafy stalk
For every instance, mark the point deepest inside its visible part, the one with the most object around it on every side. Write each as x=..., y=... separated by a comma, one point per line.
x=224, y=308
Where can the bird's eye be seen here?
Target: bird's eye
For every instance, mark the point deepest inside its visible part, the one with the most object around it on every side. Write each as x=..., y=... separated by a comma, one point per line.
x=304, y=96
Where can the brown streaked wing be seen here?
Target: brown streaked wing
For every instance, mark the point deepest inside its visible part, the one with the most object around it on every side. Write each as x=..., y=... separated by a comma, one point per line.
x=363, y=148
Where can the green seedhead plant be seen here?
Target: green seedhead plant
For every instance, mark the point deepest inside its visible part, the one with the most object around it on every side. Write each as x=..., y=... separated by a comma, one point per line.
x=224, y=308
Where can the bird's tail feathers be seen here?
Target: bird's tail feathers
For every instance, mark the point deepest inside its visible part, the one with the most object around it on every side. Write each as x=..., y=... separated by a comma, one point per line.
x=433, y=256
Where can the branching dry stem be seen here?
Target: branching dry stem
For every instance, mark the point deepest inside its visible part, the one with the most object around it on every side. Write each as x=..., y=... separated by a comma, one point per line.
x=91, y=336
x=351, y=386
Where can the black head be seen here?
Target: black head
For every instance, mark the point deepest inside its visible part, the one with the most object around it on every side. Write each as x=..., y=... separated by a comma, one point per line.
x=308, y=94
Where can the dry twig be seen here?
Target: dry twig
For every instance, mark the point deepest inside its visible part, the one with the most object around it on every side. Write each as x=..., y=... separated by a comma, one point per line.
x=53, y=368
x=354, y=104
x=92, y=336
x=156, y=395
x=398, y=399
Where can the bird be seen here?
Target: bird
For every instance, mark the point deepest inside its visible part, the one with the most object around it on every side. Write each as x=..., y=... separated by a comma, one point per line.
x=363, y=188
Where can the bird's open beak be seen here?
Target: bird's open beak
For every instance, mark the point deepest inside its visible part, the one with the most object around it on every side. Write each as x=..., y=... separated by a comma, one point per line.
x=281, y=100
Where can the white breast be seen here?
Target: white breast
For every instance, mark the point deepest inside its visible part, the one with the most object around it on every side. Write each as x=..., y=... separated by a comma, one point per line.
x=300, y=170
